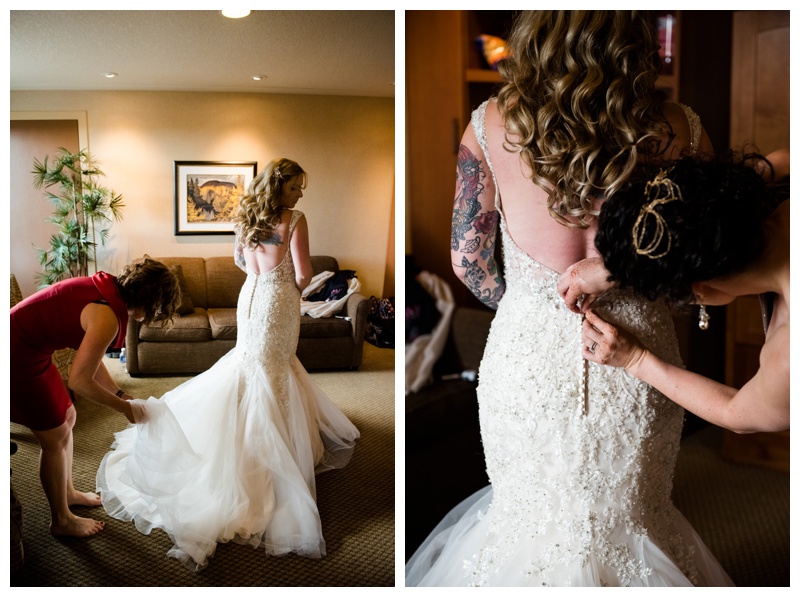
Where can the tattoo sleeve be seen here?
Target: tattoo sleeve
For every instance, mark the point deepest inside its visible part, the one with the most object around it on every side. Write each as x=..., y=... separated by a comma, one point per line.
x=238, y=254
x=474, y=230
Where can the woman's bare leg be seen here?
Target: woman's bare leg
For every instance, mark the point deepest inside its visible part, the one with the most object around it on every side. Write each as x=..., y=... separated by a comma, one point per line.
x=75, y=497
x=55, y=473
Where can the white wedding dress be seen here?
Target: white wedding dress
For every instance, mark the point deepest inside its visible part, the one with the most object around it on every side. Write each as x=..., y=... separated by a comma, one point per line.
x=231, y=454
x=580, y=457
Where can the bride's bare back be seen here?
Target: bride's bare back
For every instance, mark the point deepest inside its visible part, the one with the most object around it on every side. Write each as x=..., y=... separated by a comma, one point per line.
x=524, y=205
x=270, y=252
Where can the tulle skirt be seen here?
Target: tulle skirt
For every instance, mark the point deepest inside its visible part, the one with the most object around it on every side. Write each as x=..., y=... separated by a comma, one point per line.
x=224, y=457
x=442, y=558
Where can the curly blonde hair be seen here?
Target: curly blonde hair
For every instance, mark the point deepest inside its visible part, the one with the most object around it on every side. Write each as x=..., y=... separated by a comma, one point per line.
x=260, y=208
x=150, y=285
x=580, y=101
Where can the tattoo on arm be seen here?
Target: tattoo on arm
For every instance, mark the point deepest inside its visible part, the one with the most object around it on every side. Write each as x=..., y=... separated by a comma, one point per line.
x=468, y=226
x=238, y=255
x=474, y=278
x=469, y=174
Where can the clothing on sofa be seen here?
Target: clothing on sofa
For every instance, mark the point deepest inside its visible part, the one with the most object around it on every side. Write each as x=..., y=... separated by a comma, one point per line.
x=425, y=350
x=335, y=287
x=326, y=308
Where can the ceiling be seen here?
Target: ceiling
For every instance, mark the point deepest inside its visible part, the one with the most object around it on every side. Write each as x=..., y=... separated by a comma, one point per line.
x=300, y=52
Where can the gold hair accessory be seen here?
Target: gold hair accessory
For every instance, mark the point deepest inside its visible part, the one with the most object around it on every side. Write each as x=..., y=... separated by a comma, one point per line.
x=659, y=191
x=276, y=173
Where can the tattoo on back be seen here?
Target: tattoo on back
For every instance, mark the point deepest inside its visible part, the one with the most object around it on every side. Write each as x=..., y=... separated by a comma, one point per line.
x=271, y=238
x=653, y=146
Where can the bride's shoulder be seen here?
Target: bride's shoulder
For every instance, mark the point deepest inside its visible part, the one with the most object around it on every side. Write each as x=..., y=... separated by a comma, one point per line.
x=678, y=131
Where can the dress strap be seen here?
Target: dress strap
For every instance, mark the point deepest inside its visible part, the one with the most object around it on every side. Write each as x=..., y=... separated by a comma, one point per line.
x=479, y=127
x=296, y=215
x=694, y=128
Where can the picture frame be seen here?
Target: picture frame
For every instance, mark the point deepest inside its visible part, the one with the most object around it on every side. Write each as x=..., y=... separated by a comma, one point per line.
x=207, y=195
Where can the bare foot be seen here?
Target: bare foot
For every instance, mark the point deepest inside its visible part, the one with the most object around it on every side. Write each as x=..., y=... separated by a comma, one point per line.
x=83, y=498
x=76, y=526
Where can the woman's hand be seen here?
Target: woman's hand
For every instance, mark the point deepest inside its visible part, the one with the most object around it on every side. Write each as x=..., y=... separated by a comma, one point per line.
x=583, y=282
x=606, y=344
x=127, y=410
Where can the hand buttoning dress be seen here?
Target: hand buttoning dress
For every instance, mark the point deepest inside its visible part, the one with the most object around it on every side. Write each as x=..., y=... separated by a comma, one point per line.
x=580, y=457
x=231, y=454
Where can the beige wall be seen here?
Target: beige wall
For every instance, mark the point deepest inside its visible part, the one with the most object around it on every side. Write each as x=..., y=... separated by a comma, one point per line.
x=346, y=144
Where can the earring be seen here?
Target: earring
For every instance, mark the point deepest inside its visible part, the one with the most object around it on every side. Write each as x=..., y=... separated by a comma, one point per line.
x=703, y=323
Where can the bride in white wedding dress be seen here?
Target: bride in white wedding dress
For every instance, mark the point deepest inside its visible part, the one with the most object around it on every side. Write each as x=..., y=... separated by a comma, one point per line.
x=580, y=457
x=231, y=454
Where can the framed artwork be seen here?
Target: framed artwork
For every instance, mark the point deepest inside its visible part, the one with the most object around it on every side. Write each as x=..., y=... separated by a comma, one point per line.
x=207, y=195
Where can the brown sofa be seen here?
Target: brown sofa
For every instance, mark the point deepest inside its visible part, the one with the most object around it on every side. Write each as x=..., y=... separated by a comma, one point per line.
x=200, y=337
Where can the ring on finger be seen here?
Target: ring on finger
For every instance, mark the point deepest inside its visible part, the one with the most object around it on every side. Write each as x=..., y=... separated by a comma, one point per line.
x=592, y=347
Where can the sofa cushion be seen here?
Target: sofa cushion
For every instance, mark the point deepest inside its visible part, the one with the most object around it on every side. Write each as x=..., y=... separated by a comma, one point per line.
x=185, y=306
x=194, y=273
x=323, y=263
x=224, y=280
x=193, y=327
x=324, y=327
x=222, y=323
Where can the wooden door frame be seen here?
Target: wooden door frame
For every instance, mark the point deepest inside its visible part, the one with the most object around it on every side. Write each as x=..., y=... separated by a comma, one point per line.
x=81, y=116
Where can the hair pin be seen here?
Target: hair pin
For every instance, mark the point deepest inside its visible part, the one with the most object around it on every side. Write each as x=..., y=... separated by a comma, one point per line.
x=659, y=191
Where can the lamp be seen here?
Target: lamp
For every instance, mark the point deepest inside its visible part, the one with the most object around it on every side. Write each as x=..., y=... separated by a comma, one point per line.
x=235, y=13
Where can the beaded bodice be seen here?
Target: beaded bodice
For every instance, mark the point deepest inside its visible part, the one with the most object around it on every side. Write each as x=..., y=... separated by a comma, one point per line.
x=577, y=453
x=268, y=318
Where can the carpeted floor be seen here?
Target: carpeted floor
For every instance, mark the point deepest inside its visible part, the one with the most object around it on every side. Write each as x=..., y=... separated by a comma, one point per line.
x=740, y=511
x=356, y=504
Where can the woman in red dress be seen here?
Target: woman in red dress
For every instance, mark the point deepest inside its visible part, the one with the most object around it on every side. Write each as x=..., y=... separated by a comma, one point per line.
x=88, y=314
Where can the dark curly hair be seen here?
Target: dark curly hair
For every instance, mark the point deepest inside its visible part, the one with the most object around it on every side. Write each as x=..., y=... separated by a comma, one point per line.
x=150, y=285
x=714, y=229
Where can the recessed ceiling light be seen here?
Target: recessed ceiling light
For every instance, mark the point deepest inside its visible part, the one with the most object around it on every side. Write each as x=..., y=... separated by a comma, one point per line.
x=235, y=13
x=109, y=75
x=259, y=77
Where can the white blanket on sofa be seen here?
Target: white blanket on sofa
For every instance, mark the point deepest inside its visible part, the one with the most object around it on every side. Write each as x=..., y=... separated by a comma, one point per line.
x=325, y=308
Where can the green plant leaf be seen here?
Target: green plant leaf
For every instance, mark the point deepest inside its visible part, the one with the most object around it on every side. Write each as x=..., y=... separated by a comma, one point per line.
x=82, y=210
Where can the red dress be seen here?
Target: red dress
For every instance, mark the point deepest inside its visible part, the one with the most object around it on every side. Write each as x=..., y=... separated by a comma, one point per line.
x=47, y=321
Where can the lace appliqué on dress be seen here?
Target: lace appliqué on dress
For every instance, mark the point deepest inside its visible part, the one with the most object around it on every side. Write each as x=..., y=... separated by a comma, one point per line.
x=580, y=457
x=268, y=328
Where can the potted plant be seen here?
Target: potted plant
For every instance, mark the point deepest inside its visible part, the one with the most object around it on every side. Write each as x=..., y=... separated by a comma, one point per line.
x=83, y=211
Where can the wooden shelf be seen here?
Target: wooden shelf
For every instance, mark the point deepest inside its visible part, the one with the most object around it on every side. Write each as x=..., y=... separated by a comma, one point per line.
x=483, y=75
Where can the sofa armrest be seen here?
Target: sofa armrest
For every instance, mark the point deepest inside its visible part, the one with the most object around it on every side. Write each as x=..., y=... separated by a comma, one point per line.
x=357, y=309
x=132, y=347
